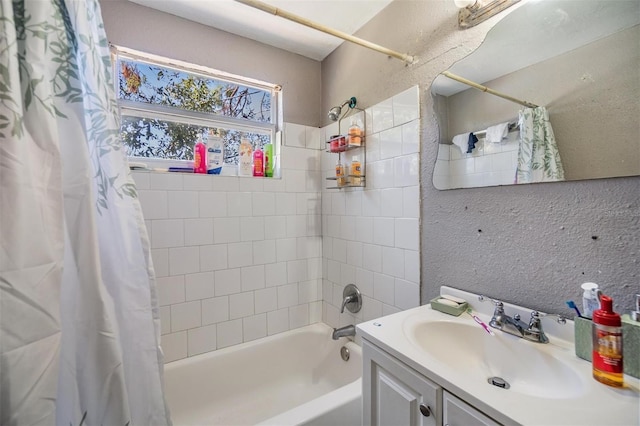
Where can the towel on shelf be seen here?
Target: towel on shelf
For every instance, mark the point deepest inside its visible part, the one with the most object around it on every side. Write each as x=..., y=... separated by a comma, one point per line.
x=497, y=133
x=472, y=142
x=462, y=142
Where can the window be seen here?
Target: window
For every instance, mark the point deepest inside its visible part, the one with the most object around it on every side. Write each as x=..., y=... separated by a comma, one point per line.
x=166, y=105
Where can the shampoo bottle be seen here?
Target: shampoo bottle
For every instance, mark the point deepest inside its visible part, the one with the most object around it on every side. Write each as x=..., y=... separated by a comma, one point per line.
x=215, y=153
x=245, y=161
x=258, y=163
x=200, y=157
x=607, y=345
x=355, y=171
x=340, y=178
x=355, y=133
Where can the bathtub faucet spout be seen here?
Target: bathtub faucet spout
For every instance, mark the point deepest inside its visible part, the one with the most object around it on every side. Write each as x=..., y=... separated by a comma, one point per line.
x=348, y=330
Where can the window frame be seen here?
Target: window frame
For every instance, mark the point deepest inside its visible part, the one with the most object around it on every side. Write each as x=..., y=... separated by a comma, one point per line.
x=127, y=108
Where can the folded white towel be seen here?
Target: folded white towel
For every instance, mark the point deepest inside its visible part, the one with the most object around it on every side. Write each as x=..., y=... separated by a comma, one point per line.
x=497, y=133
x=462, y=142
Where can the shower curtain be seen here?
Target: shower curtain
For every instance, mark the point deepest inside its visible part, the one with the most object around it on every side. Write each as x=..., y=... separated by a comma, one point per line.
x=538, y=156
x=79, y=322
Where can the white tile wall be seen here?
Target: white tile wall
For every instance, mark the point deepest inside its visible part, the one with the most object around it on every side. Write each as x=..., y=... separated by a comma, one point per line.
x=237, y=259
x=371, y=235
x=489, y=164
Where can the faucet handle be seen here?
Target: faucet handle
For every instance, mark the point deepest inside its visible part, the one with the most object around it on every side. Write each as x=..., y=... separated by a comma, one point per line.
x=534, y=322
x=560, y=319
x=351, y=299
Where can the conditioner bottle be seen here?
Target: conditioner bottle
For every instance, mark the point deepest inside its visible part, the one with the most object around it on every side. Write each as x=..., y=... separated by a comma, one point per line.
x=258, y=163
x=607, y=345
x=268, y=160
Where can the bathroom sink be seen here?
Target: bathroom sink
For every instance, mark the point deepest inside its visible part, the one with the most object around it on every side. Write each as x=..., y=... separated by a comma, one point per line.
x=548, y=383
x=527, y=368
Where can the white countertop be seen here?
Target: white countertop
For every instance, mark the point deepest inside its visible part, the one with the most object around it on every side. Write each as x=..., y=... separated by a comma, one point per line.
x=593, y=403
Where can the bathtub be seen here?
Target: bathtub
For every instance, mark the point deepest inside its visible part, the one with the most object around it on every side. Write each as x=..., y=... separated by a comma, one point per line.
x=293, y=378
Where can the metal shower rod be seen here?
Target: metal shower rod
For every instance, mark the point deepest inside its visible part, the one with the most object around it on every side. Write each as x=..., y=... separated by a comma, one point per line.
x=486, y=89
x=328, y=30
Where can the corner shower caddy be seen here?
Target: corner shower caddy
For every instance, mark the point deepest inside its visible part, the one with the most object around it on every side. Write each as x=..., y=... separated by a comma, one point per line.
x=353, y=149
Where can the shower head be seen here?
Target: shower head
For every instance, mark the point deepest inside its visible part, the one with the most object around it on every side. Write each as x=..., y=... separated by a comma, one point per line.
x=334, y=113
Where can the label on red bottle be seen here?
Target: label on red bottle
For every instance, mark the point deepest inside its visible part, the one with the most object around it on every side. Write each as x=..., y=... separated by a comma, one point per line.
x=257, y=167
x=607, y=351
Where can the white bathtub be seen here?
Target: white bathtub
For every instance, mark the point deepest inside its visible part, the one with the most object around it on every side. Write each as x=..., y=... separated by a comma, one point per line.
x=292, y=378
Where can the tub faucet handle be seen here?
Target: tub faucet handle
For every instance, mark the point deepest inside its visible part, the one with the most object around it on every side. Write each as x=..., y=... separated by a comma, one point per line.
x=348, y=299
x=351, y=299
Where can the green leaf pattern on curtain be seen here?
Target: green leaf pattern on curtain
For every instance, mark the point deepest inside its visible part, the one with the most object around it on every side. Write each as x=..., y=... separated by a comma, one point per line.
x=538, y=155
x=80, y=328
x=83, y=74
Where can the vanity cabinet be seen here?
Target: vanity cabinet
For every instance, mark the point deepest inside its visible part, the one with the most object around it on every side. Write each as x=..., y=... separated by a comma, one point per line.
x=394, y=394
x=456, y=412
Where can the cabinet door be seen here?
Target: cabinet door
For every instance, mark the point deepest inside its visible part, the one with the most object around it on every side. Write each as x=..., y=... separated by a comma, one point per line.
x=456, y=412
x=395, y=395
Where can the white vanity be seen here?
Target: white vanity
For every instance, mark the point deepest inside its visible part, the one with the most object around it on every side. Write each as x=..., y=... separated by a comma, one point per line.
x=424, y=367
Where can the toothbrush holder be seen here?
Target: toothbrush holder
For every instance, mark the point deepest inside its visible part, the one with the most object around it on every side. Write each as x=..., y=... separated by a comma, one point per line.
x=630, y=343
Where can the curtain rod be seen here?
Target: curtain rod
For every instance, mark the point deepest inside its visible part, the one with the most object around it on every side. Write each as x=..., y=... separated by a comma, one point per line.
x=487, y=90
x=348, y=37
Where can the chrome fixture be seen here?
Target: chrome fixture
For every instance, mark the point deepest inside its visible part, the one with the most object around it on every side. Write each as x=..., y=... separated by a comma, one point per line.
x=472, y=12
x=334, y=113
x=513, y=325
x=351, y=299
x=346, y=331
x=498, y=382
x=344, y=353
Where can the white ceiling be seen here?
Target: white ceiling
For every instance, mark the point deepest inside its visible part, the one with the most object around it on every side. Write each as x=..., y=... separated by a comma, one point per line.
x=233, y=17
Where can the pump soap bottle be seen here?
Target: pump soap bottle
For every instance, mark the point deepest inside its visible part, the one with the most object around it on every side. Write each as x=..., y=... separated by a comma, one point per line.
x=607, y=345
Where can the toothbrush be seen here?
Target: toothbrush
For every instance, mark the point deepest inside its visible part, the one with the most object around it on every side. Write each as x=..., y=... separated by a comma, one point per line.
x=572, y=305
x=479, y=321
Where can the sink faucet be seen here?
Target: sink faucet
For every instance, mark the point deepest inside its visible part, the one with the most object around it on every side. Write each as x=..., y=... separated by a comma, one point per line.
x=347, y=330
x=513, y=325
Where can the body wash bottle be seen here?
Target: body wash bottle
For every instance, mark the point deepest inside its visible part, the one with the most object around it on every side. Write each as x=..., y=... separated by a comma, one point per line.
x=200, y=157
x=607, y=345
x=245, y=161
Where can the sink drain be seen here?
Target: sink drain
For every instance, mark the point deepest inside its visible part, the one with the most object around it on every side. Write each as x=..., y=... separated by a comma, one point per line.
x=499, y=382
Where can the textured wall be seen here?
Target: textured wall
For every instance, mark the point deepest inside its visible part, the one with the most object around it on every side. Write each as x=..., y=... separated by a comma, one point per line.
x=148, y=30
x=532, y=245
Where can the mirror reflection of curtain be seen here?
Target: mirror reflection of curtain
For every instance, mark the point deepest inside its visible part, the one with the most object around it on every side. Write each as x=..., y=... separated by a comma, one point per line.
x=538, y=155
x=79, y=323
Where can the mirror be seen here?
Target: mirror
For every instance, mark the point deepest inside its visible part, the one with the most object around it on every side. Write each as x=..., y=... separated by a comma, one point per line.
x=579, y=59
